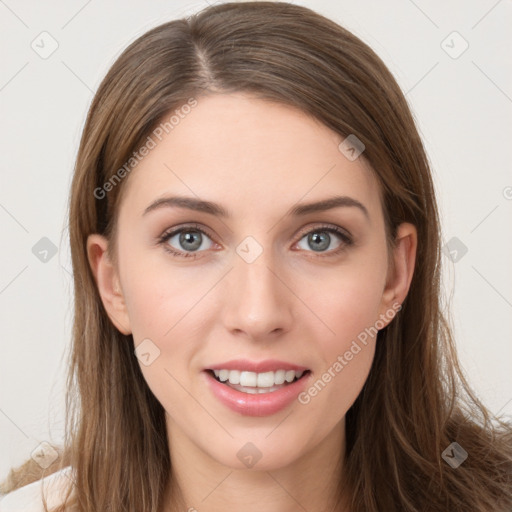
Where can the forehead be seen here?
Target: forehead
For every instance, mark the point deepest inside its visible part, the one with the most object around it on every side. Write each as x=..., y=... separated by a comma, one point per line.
x=245, y=152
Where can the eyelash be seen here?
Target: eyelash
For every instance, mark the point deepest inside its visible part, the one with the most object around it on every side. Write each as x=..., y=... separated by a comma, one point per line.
x=325, y=228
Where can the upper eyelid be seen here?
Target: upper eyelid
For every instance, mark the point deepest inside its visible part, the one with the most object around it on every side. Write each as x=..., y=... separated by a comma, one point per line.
x=327, y=227
x=169, y=233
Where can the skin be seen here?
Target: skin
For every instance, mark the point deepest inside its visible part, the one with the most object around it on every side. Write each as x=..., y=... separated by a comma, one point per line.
x=257, y=159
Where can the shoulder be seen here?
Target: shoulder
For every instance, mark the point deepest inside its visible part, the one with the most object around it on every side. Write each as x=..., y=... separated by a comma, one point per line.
x=30, y=497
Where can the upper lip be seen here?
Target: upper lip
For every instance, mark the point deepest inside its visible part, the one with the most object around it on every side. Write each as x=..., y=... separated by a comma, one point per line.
x=268, y=365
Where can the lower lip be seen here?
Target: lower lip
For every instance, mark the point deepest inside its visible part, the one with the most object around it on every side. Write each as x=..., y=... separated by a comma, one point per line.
x=263, y=404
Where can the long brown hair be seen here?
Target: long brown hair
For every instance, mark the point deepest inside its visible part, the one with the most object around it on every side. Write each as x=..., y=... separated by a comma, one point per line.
x=415, y=402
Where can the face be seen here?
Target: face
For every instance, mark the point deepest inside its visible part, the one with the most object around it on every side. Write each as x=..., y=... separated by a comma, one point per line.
x=254, y=279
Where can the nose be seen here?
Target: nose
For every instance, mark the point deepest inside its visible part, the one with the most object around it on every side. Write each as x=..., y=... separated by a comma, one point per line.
x=258, y=302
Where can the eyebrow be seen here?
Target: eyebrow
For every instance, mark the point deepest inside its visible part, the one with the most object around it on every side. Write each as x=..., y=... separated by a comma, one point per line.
x=199, y=205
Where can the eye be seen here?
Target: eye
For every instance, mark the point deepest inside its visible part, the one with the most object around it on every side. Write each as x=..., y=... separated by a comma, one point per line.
x=186, y=241
x=189, y=241
x=321, y=238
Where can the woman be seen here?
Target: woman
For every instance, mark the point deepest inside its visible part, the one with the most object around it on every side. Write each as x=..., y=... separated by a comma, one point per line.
x=255, y=244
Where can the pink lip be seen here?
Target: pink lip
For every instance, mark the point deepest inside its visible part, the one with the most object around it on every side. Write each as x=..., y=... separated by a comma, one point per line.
x=263, y=404
x=269, y=365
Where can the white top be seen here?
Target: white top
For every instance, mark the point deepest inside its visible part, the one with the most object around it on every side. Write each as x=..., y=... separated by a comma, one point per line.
x=29, y=498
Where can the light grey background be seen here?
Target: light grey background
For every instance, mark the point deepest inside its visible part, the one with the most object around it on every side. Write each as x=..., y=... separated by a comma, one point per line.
x=462, y=104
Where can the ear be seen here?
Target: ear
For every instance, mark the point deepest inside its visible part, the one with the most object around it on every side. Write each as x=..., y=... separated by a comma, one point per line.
x=400, y=270
x=108, y=283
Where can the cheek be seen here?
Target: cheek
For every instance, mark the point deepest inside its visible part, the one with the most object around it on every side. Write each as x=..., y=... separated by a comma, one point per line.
x=348, y=303
x=334, y=390
x=165, y=306
x=161, y=306
x=159, y=297
x=346, y=354
x=347, y=300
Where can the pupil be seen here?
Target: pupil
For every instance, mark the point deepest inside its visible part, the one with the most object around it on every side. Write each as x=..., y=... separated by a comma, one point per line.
x=319, y=241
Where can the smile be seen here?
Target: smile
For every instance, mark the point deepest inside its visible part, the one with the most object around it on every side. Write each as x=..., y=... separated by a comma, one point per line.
x=256, y=388
x=257, y=383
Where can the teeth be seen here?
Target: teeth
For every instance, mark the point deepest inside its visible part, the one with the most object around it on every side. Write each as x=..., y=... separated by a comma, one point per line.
x=259, y=380
x=249, y=379
x=290, y=375
x=280, y=376
x=265, y=380
x=233, y=376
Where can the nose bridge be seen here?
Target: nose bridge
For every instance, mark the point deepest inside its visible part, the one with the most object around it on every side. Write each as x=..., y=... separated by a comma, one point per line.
x=256, y=300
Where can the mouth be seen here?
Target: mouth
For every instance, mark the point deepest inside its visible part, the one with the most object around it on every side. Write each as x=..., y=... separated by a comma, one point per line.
x=256, y=388
x=257, y=383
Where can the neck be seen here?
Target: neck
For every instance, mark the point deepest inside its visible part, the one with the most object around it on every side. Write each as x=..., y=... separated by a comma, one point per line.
x=311, y=482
